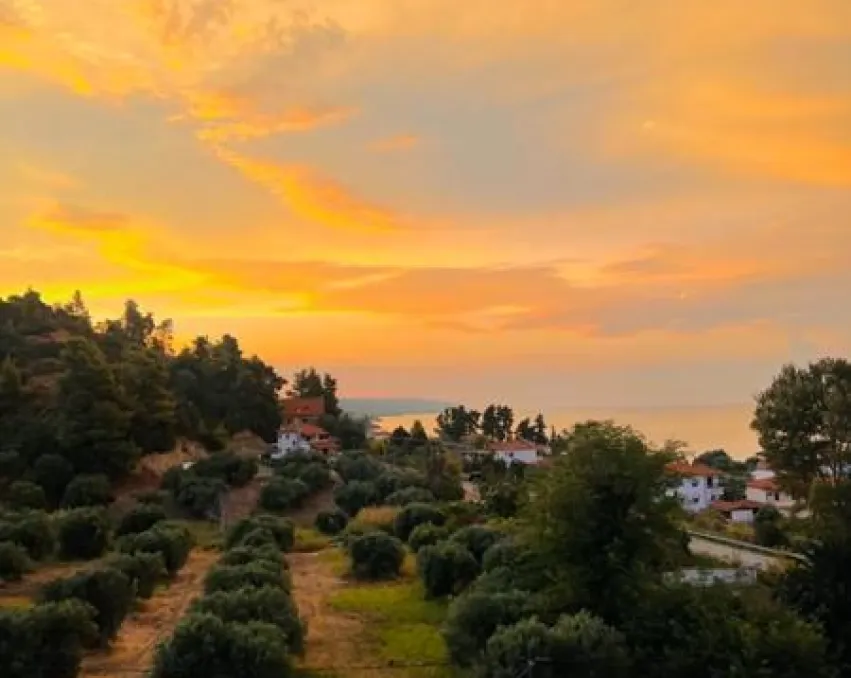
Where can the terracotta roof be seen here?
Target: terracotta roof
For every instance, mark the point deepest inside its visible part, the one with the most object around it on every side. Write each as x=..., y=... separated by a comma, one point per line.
x=304, y=407
x=740, y=505
x=512, y=446
x=307, y=429
x=325, y=444
x=692, y=470
x=767, y=484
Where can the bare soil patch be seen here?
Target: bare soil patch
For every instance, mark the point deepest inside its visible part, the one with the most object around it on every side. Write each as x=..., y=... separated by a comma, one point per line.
x=32, y=582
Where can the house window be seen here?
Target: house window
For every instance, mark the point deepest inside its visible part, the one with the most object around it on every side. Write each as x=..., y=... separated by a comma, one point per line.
x=695, y=500
x=695, y=483
x=776, y=496
x=709, y=482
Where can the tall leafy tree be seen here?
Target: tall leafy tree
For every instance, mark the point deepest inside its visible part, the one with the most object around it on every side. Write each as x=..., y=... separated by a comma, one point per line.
x=524, y=430
x=456, y=422
x=504, y=422
x=490, y=423
x=540, y=430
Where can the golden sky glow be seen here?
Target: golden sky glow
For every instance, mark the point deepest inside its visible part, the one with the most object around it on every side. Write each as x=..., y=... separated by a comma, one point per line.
x=553, y=202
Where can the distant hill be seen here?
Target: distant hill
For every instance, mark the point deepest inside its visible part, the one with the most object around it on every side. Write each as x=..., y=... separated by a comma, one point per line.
x=390, y=407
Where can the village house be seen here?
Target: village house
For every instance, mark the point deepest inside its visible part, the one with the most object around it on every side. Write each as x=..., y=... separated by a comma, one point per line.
x=300, y=431
x=766, y=492
x=699, y=485
x=514, y=451
x=741, y=511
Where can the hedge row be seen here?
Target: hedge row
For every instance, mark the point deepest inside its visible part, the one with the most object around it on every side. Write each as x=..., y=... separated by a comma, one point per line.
x=247, y=623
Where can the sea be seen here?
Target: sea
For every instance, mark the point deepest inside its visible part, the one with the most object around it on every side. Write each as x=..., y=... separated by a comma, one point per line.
x=724, y=427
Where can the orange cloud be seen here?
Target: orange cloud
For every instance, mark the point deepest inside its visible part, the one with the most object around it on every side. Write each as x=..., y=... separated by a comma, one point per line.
x=400, y=142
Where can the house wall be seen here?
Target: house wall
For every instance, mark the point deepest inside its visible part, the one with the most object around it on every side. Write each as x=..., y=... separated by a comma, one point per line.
x=742, y=516
x=779, y=500
x=696, y=494
x=518, y=456
x=292, y=442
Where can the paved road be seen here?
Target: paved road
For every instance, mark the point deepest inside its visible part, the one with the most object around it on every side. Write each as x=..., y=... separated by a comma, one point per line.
x=733, y=554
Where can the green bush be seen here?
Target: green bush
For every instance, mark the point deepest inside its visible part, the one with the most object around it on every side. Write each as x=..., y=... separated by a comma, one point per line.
x=475, y=616
x=503, y=499
x=170, y=540
x=410, y=495
x=477, y=539
x=45, y=641
x=139, y=519
x=331, y=522
x=83, y=533
x=461, y=514
x=376, y=556
x=768, y=528
x=506, y=553
x=145, y=570
x=12, y=465
x=244, y=555
x=426, y=534
x=87, y=490
x=282, y=494
x=578, y=645
x=204, y=645
x=446, y=569
x=107, y=590
x=22, y=495
x=32, y=531
x=173, y=478
x=200, y=497
x=316, y=476
x=252, y=575
x=153, y=497
x=355, y=495
x=268, y=604
x=395, y=480
x=14, y=562
x=53, y=472
x=413, y=515
x=228, y=467
x=357, y=466
x=259, y=537
x=281, y=528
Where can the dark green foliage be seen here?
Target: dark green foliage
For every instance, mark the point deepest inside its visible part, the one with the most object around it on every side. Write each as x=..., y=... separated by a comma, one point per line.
x=395, y=480
x=53, y=472
x=456, y=422
x=768, y=528
x=252, y=575
x=283, y=494
x=475, y=616
x=244, y=555
x=331, y=522
x=446, y=569
x=503, y=499
x=13, y=562
x=171, y=541
x=477, y=539
x=315, y=476
x=426, y=534
x=507, y=553
x=204, y=645
x=45, y=641
x=462, y=513
x=259, y=537
x=87, y=490
x=152, y=497
x=139, y=519
x=355, y=495
x=228, y=467
x=268, y=604
x=107, y=590
x=291, y=465
x=410, y=495
x=12, y=465
x=22, y=495
x=83, y=533
x=31, y=530
x=578, y=645
x=173, y=478
x=200, y=497
x=145, y=570
x=376, y=556
x=358, y=466
x=282, y=529
x=413, y=515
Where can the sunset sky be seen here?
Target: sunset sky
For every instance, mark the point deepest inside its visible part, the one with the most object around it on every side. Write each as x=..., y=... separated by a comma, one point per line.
x=549, y=202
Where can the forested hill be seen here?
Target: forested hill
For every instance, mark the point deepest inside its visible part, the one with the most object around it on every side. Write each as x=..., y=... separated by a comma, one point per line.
x=82, y=397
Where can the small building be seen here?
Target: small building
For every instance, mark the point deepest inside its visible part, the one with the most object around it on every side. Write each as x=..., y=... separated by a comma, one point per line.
x=766, y=492
x=742, y=511
x=762, y=471
x=699, y=486
x=514, y=451
x=298, y=411
x=290, y=442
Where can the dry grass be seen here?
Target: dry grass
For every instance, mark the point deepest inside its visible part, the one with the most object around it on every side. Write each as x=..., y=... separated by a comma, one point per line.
x=379, y=517
x=28, y=588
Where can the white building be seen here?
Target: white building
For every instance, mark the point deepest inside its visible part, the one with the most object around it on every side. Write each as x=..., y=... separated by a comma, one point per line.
x=514, y=451
x=767, y=492
x=741, y=511
x=289, y=442
x=699, y=486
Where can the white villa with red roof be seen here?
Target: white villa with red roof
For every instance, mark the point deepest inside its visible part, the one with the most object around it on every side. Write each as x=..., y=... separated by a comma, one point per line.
x=300, y=431
x=700, y=485
x=516, y=451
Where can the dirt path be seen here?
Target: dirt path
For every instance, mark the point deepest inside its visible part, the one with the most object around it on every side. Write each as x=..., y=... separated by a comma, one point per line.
x=334, y=638
x=152, y=622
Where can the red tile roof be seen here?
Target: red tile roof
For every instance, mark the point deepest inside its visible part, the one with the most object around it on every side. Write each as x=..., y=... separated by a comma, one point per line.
x=512, y=446
x=692, y=470
x=304, y=407
x=740, y=505
x=311, y=430
x=767, y=484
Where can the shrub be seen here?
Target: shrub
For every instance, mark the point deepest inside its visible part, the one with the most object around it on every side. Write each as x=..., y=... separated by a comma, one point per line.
x=282, y=494
x=446, y=569
x=476, y=539
x=331, y=522
x=410, y=495
x=352, y=466
x=251, y=575
x=152, y=497
x=204, y=645
x=503, y=499
x=579, y=644
x=376, y=556
x=271, y=605
x=260, y=537
x=473, y=618
x=315, y=476
x=461, y=514
x=107, y=590
x=32, y=531
x=506, y=553
x=228, y=467
x=446, y=488
x=83, y=533
x=200, y=497
x=426, y=534
x=767, y=527
x=45, y=641
x=170, y=540
x=87, y=490
x=244, y=555
x=23, y=494
x=381, y=518
x=355, y=495
x=139, y=519
x=145, y=570
x=12, y=465
x=416, y=514
x=396, y=480
x=53, y=472
x=13, y=562
x=173, y=478
x=282, y=529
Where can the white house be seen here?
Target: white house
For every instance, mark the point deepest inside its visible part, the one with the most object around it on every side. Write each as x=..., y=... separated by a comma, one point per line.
x=762, y=471
x=766, y=492
x=700, y=485
x=514, y=451
x=741, y=511
x=289, y=442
